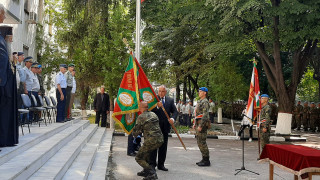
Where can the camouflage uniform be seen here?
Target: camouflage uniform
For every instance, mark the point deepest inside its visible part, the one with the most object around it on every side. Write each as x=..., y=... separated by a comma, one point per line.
x=313, y=118
x=203, y=109
x=148, y=124
x=297, y=112
x=305, y=117
x=265, y=116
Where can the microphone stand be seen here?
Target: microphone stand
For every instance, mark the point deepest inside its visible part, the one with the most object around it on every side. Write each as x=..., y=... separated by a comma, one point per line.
x=243, y=168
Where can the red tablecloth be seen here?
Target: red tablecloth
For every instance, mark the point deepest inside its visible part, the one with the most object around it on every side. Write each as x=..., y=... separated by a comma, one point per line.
x=299, y=159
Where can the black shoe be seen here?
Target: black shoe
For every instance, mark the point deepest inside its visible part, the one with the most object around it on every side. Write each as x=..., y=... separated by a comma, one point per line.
x=204, y=163
x=143, y=173
x=151, y=176
x=162, y=168
x=132, y=154
x=199, y=162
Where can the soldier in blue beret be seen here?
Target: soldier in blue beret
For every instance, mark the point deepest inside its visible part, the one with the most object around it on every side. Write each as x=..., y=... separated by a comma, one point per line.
x=265, y=121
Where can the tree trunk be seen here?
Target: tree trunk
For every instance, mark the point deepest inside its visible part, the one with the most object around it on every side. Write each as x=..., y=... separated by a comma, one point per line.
x=273, y=69
x=184, y=98
x=177, y=91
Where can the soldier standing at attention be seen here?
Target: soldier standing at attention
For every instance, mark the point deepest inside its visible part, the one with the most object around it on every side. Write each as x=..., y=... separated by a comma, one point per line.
x=202, y=124
x=69, y=78
x=313, y=117
x=148, y=124
x=305, y=116
x=61, y=85
x=297, y=112
x=265, y=121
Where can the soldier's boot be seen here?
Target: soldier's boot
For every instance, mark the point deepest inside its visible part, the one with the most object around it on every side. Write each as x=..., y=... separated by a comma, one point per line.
x=143, y=173
x=205, y=162
x=152, y=175
x=200, y=161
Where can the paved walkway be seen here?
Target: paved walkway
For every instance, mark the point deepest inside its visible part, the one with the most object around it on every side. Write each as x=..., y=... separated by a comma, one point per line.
x=225, y=158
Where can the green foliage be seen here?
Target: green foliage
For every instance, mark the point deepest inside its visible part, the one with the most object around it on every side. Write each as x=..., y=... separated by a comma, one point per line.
x=227, y=83
x=308, y=89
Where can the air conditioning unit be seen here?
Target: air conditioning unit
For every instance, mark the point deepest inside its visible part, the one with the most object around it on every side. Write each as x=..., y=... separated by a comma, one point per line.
x=32, y=18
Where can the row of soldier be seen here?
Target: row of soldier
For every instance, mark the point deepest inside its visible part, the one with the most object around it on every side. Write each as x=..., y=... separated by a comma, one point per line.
x=307, y=116
x=30, y=82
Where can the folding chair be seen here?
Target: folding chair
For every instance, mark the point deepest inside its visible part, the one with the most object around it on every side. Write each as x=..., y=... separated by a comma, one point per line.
x=49, y=108
x=37, y=110
x=22, y=121
x=54, y=105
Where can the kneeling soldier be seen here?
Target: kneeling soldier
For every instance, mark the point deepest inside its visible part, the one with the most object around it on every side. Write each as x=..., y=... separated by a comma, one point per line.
x=148, y=124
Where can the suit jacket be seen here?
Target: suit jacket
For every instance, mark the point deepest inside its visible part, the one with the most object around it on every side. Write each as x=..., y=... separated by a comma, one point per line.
x=171, y=109
x=101, y=105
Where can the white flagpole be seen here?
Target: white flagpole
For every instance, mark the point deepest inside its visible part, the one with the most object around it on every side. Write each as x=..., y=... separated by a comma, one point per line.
x=138, y=18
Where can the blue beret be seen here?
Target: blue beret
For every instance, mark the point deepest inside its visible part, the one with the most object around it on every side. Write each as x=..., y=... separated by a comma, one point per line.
x=29, y=58
x=265, y=95
x=203, y=89
x=34, y=65
x=20, y=53
x=39, y=66
x=63, y=65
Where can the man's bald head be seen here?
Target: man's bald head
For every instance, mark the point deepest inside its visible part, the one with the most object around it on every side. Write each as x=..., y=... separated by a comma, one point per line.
x=143, y=106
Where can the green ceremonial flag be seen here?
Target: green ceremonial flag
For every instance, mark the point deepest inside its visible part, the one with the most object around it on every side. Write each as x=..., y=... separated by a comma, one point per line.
x=134, y=87
x=127, y=104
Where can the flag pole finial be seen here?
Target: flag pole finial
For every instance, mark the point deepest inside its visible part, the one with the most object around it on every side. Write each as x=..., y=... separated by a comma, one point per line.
x=125, y=41
x=254, y=60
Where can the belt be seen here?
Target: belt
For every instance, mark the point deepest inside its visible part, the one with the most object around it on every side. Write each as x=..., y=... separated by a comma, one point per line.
x=69, y=87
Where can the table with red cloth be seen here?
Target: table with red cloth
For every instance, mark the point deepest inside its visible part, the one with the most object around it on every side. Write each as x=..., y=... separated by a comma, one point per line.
x=293, y=158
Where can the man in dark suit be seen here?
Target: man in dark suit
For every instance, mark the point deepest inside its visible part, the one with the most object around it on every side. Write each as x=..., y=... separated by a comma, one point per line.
x=165, y=126
x=101, y=106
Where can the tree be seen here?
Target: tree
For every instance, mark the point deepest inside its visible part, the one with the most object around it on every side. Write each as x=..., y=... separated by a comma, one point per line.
x=274, y=27
x=90, y=34
x=308, y=89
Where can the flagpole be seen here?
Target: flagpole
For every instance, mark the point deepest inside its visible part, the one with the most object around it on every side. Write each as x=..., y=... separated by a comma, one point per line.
x=138, y=19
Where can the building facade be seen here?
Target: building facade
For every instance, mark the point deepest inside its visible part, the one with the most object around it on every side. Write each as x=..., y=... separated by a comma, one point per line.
x=23, y=16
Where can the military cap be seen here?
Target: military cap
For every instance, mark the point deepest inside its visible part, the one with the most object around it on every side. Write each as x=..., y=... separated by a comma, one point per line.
x=20, y=53
x=102, y=87
x=63, y=65
x=39, y=66
x=71, y=65
x=35, y=65
x=28, y=59
x=265, y=95
x=14, y=53
x=312, y=102
x=203, y=89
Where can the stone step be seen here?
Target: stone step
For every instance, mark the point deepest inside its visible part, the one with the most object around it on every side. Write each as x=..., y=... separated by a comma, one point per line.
x=25, y=164
x=100, y=164
x=29, y=140
x=58, y=164
x=81, y=166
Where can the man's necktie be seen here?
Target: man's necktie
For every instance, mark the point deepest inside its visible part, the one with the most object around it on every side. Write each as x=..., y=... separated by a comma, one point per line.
x=162, y=99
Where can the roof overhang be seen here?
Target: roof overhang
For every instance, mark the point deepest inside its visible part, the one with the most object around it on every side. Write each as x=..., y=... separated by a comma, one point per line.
x=11, y=18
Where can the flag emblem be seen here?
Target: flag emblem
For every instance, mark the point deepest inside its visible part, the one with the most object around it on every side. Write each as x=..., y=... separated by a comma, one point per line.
x=126, y=99
x=148, y=96
x=130, y=118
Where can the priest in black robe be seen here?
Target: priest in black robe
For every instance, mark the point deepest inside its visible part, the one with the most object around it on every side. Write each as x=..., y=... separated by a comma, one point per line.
x=9, y=128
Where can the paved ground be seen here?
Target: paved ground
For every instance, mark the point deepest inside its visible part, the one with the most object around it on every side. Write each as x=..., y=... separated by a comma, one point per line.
x=225, y=158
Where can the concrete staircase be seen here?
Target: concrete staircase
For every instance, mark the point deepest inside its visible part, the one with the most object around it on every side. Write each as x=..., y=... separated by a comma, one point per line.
x=71, y=150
